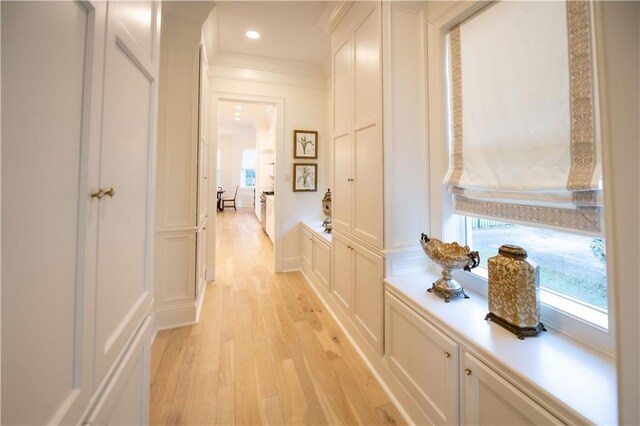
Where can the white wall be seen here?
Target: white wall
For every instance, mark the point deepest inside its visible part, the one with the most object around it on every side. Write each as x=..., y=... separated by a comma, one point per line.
x=304, y=108
x=231, y=147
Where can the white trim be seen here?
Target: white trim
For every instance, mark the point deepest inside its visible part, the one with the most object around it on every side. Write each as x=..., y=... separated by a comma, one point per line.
x=251, y=74
x=291, y=264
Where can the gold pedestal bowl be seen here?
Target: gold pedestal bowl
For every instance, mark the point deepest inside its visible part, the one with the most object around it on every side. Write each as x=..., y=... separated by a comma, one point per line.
x=449, y=256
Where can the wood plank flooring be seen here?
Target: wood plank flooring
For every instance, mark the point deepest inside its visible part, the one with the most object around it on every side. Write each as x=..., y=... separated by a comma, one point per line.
x=265, y=351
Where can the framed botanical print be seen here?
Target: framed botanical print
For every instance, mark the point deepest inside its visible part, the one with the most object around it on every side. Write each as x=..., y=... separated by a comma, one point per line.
x=305, y=177
x=305, y=144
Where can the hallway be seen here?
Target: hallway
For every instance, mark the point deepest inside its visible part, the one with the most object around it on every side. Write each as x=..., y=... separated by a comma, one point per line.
x=264, y=352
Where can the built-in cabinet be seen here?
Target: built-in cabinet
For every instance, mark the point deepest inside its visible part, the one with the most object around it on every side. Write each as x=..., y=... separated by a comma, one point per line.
x=79, y=97
x=182, y=170
x=424, y=360
x=488, y=399
x=446, y=379
x=315, y=255
x=270, y=217
x=357, y=287
x=461, y=370
x=357, y=128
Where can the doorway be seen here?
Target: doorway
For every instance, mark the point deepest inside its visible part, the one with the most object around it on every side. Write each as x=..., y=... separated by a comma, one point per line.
x=247, y=140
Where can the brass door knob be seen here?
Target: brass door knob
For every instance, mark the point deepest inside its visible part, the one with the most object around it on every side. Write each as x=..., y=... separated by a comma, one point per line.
x=467, y=371
x=447, y=355
x=102, y=193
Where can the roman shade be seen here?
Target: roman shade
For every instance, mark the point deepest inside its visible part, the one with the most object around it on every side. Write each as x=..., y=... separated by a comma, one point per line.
x=248, y=159
x=525, y=144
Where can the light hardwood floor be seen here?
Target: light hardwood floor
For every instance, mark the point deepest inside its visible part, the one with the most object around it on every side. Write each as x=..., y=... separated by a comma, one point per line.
x=265, y=351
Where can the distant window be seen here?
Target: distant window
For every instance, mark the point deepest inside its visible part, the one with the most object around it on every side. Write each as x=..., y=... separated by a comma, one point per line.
x=248, y=170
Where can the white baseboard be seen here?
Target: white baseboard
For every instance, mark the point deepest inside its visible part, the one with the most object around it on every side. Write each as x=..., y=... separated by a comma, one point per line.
x=176, y=316
x=401, y=398
x=291, y=264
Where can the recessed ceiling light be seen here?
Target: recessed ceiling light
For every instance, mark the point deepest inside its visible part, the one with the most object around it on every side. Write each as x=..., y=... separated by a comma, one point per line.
x=237, y=118
x=253, y=34
x=238, y=107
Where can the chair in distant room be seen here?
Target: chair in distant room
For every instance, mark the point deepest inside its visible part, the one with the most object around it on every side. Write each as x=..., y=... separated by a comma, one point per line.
x=230, y=202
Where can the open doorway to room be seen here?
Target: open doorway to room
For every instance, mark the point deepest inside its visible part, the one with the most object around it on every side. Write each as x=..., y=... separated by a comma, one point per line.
x=245, y=177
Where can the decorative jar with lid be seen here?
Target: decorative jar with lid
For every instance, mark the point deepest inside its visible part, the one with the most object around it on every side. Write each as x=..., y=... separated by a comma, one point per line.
x=514, y=292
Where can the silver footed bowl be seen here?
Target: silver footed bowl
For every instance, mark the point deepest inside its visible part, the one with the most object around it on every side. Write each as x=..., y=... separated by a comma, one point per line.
x=450, y=256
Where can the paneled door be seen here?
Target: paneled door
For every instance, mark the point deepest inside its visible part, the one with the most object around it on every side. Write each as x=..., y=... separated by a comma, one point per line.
x=52, y=54
x=129, y=123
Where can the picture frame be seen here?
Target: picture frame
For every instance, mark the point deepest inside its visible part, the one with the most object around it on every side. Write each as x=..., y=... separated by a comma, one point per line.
x=305, y=177
x=305, y=144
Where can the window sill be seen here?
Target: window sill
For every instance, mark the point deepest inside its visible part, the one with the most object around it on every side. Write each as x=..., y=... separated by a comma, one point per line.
x=574, y=378
x=587, y=325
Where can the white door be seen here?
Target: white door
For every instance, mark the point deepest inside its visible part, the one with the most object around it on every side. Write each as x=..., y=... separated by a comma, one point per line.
x=130, y=99
x=51, y=61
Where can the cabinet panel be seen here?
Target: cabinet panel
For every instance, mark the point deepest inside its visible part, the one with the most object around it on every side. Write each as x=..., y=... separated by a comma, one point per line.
x=342, y=282
x=488, y=399
x=126, y=400
x=368, y=186
x=368, y=80
x=368, y=295
x=343, y=187
x=306, y=249
x=177, y=134
x=201, y=264
x=322, y=263
x=127, y=148
x=176, y=255
x=44, y=209
x=424, y=360
x=342, y=88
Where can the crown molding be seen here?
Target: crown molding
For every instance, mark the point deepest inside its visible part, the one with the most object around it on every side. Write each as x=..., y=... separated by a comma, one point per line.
x=332, y=15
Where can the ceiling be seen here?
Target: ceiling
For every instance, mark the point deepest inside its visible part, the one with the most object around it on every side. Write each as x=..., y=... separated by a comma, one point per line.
x=251, y=116
x=288, y=29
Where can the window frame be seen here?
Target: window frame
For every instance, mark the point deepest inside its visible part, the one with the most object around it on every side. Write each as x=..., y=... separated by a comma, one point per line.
x=446, y=225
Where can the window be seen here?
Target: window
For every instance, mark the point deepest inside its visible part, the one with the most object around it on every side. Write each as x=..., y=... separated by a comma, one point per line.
x=571, y=265
x=248, y=170
x=525, y=157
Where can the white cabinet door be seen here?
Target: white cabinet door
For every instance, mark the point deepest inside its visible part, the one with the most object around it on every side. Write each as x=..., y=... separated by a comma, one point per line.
x=342, y=199
x=368, y=293
x=367, y=131
x=342, y=282
x=52, y=57
x=488, y=399
x=128, y=150
x=424, y=359
x=306, y=249
x=322, y=262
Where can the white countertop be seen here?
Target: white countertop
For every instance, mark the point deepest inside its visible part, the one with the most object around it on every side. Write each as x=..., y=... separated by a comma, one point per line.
x=318, y=229
x=580, y=380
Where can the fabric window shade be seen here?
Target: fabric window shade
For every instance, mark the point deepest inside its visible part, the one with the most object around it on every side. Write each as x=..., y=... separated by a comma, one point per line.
x=248, y=159
x=525, y=133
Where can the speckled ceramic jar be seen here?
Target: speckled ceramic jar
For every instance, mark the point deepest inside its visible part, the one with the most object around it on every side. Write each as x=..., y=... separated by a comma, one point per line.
x=514, y=292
